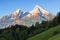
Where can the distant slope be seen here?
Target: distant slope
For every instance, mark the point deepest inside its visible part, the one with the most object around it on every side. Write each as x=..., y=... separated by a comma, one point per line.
x=46, y=35
x=56, y=37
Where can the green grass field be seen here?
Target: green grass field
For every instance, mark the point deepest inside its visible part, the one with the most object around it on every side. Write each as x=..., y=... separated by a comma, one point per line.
x=47, y=34
x=56, y=37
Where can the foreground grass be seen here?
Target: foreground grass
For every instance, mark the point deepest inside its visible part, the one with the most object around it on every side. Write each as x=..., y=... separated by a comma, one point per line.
x=46, y=35
x=56, y=37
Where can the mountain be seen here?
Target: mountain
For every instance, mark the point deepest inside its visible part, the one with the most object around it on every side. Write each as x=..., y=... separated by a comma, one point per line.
x=25, y=18
x=15, y=14
x=39, y=12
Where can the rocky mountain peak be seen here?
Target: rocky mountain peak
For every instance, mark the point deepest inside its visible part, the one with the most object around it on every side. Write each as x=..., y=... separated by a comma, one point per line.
x=15, y=14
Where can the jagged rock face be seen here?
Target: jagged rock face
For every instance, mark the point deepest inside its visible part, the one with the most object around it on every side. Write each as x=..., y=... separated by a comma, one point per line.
x=26, y=18
x=40, y=10
x=31, y=16
x=15, y=14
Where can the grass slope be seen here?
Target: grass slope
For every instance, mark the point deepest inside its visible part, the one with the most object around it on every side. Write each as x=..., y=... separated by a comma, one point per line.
x=56, y=37
x=45, y=35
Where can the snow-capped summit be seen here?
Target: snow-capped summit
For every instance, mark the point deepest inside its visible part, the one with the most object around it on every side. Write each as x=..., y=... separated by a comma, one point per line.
x=41, y=9
x=25, y=18
x=43, y=12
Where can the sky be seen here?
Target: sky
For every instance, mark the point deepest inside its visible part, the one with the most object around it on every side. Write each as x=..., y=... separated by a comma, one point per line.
x=9, y=6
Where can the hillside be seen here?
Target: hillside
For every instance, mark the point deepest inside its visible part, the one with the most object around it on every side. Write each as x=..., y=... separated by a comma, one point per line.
x=56, y=37
x=47, y=34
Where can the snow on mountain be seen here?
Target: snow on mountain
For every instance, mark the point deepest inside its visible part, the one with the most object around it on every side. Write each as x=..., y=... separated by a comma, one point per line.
x=15, y=14
x=25, y=18
x=38, y=12
x=42, y=12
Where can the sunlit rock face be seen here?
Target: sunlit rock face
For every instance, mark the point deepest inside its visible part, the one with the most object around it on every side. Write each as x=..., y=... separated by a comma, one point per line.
x=33, y=13
x=45, y=13
x=25, y=18
x=15, y=14
x=39, y=12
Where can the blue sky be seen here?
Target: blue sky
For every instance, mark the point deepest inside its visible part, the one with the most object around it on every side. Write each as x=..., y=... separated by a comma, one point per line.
x=9, y=6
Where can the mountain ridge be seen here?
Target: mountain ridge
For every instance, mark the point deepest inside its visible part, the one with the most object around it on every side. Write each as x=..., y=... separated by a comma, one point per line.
x=19, y=17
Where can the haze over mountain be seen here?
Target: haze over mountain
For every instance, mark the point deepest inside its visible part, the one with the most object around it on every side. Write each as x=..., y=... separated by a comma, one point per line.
x=25, y=18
